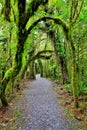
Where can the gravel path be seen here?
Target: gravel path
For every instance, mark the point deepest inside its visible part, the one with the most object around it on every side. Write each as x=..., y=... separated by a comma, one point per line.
x=40, y=108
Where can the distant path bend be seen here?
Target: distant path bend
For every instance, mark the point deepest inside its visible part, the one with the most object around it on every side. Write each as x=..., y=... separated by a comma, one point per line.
x=41, y=109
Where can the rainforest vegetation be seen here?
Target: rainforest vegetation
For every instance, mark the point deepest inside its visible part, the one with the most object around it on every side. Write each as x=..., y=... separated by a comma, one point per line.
x=47, y=37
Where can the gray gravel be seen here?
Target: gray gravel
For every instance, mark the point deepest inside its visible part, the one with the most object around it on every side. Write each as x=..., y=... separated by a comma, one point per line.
x=40, y=109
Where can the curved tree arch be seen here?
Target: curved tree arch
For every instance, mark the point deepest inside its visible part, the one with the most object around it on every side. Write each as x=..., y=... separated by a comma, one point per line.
x=24, y=16
x=39, y=55
x=13, y=72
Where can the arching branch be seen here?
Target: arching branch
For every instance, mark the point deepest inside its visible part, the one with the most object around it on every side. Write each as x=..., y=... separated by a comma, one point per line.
x=33, y=6
x=77, y=13
x=39, y=55
x=75, y=10
x=58, y=21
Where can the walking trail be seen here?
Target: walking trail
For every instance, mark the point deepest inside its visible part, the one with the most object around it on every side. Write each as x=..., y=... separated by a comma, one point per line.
x=40, y=108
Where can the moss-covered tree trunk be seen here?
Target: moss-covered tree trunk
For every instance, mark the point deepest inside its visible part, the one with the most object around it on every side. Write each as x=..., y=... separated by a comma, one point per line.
x=41, y=67
x=12, y=72
x=7, y=9
x=60, y=60
x=73, y=77
x=76, y=7
x=22, y=74
x=22, y=36
x=73, y=80
x=24, y=68
x=32, y=70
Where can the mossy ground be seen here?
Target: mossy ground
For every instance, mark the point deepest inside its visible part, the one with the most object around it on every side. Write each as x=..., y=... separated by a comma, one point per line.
x=66, y=101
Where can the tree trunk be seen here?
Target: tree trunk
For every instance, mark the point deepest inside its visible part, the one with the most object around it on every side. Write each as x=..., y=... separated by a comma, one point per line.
x=22, y=36
x=73, y=79
x=74, y=86
x=12, y=72
x=60, y=61
x=32, y=70
x=23, y=71
x=7, y=9
x=41, y=67
x=3, y=99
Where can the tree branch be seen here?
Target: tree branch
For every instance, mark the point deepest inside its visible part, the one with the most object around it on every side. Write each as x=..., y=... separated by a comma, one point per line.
x=39, y=55
x=22, y=16
x=33, y=6
x=75, y=11
x=56, y=20
x=7, y=9
x=14, y=14
x=78, y=13
x=43, y=57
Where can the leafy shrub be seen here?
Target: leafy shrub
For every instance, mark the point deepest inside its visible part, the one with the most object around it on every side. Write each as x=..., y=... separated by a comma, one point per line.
x=68, y=87
x=83, y=88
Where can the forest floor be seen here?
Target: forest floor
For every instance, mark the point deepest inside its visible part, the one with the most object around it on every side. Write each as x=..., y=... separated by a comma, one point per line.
x=38, y=107
x=65, y=99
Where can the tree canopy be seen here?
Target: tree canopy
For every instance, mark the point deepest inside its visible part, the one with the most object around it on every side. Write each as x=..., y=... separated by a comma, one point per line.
x=43, y=36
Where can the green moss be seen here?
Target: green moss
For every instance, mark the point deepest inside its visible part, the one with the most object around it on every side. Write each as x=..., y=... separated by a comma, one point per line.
x=9, y=73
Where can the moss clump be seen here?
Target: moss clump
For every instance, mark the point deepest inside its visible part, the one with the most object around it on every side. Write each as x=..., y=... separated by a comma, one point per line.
x=9, y=73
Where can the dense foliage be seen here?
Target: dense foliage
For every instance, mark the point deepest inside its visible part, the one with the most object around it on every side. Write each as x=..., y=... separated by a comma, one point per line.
x=46, y=37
